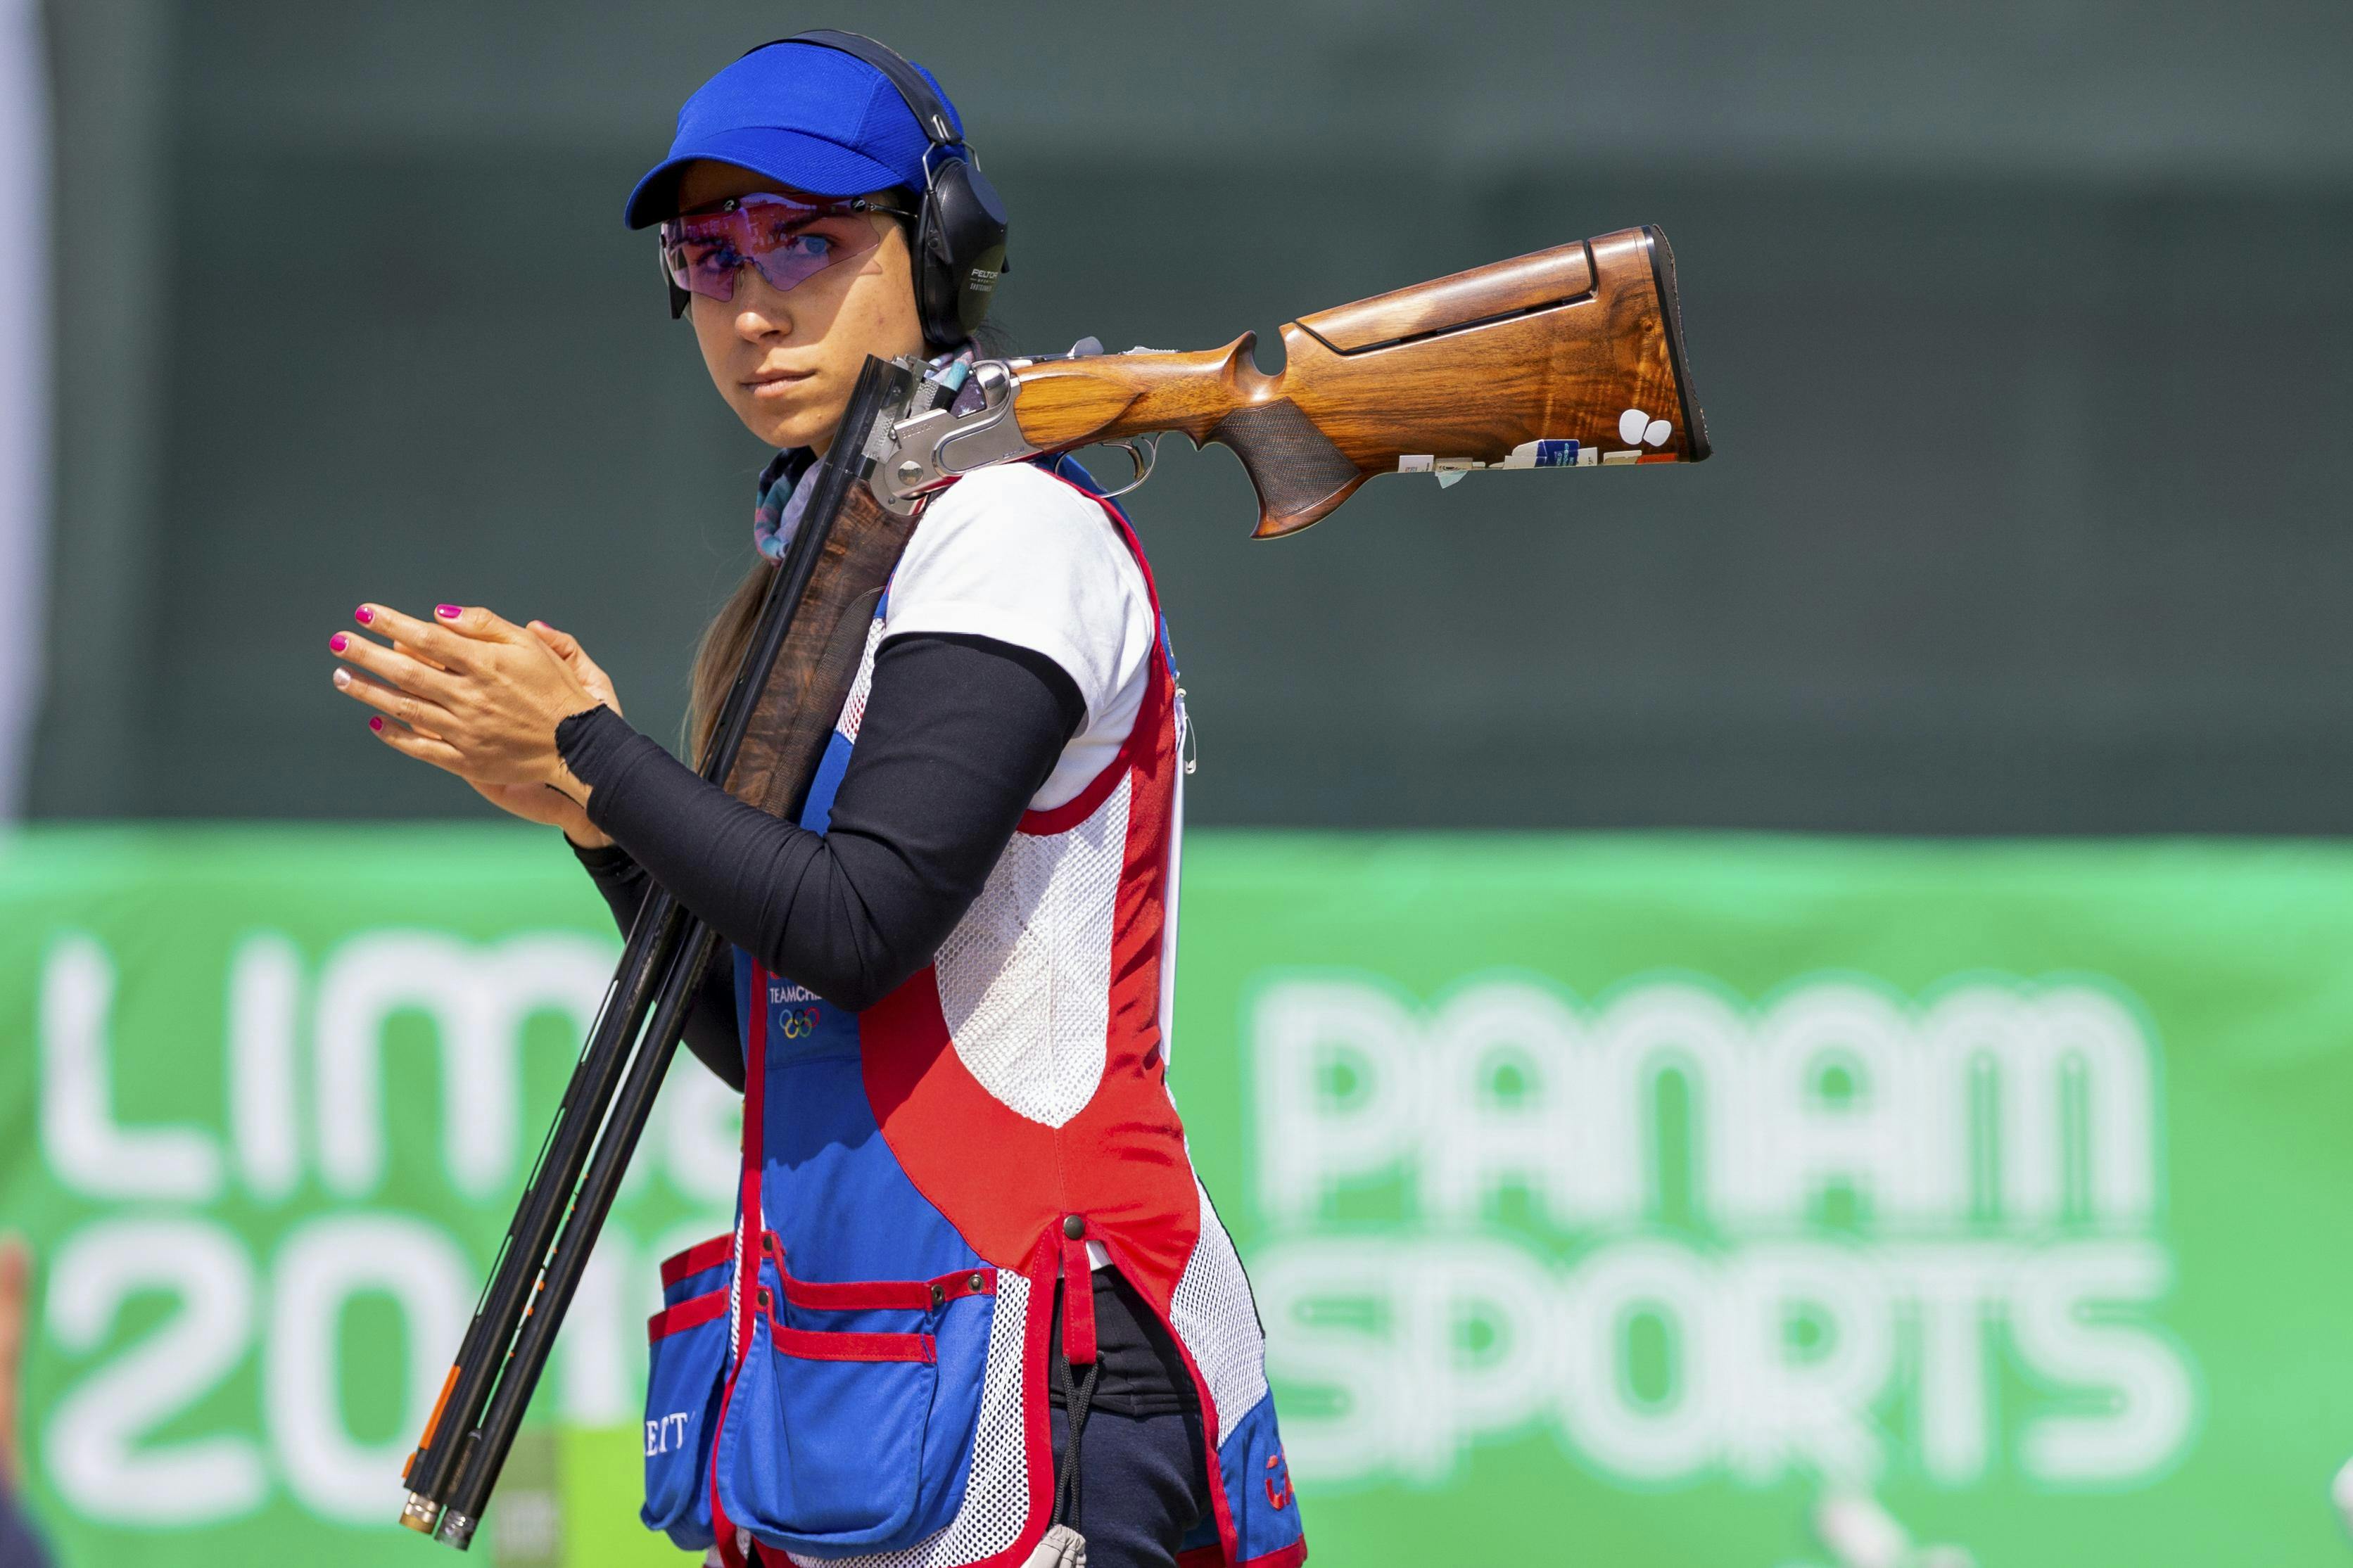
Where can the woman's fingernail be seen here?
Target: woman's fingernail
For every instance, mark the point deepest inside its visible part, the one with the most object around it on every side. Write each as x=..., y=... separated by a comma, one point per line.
x=446, y=612
x=339, y=642
x=342, y=678
x=376, y=723
x=363, y=616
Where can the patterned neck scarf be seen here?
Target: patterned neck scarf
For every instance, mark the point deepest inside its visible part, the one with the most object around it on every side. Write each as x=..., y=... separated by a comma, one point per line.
x=776, y=515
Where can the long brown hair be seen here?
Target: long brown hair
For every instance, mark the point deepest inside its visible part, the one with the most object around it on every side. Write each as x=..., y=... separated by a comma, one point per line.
x=720, y=654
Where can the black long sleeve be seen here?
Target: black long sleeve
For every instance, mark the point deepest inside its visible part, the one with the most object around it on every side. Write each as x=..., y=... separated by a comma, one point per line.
x=959, y=733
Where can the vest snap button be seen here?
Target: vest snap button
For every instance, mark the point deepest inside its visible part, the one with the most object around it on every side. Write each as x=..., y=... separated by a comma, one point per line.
x=1073, y=1226
x=939, y=1296
x=975, y=1281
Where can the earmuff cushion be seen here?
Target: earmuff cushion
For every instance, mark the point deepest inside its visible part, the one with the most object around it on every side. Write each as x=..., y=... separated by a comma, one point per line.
x=960, y=249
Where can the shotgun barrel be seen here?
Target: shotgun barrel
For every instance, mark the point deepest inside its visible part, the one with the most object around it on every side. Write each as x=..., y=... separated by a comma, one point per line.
x=611, y=1092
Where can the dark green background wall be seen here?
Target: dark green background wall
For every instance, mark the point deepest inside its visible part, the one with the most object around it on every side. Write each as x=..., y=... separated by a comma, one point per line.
x=2021, y=331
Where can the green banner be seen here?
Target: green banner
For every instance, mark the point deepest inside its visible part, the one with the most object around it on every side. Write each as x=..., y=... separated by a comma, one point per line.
x=1750, y=1203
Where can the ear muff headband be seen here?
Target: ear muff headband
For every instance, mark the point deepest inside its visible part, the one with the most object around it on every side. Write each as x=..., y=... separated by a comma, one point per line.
x=959, y=242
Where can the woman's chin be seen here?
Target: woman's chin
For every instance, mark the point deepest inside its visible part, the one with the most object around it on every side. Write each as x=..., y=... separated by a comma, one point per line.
x=781, y=430
x=801, y=421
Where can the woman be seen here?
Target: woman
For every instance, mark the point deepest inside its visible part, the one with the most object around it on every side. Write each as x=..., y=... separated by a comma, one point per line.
x=950, y=980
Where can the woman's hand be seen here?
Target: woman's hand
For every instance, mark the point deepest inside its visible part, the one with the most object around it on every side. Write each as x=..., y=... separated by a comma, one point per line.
x=479, y=697
x=534, y=803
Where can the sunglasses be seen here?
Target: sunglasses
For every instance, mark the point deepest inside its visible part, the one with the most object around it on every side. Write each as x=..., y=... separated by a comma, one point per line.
x=788, y=241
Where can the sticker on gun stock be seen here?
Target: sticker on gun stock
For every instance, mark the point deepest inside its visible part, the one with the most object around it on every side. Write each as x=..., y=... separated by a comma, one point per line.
x=1548, y=454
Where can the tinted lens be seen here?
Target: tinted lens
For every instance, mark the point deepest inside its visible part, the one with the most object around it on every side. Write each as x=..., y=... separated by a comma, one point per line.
x=788, y=241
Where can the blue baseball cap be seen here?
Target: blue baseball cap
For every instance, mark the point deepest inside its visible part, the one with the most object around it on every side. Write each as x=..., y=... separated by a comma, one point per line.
x=806, y=116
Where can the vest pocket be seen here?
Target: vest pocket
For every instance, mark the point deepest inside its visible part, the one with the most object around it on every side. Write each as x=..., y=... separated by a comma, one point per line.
x=823, y=1444
x=687, y=1346
x=699, y=1271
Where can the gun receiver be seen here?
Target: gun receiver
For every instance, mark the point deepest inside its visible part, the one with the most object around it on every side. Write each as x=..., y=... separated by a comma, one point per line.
x=1571, y=356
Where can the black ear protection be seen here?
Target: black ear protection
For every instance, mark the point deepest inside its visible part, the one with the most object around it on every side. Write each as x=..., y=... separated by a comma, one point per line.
x=959, y=241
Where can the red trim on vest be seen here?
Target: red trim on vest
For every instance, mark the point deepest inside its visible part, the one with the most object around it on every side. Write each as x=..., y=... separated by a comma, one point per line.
x=688, y=1314
x=1079, y=807
x=702, y=1255
x=812, y=1345
x=1077, y=1303
x=1280, y=1557
x=858, y=1295
x=748, y=1223
x=1083, y=805
x=809, y=1345
x=843, y=1296
x=907, y=1295
x=751, y=1222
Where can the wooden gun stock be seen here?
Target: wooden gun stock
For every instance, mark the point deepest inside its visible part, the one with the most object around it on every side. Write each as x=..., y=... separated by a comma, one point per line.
x=1504, y=366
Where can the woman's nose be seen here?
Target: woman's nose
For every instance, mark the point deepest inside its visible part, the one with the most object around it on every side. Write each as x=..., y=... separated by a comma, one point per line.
x=752, y=324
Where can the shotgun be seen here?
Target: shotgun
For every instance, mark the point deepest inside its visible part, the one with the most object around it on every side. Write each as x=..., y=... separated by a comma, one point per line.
x=1570, y=357
x=764, y=746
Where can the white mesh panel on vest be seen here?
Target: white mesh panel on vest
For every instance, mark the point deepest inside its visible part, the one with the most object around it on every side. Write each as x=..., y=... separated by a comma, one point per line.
x=853, y=707
x=1212, y=1312
x=1025, y=978
x=996, y=1496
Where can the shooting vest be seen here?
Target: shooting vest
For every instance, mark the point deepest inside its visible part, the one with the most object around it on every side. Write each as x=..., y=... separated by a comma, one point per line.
x=857, y=1374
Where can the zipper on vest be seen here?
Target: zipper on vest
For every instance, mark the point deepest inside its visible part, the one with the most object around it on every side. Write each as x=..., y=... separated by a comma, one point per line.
x=1189, y=746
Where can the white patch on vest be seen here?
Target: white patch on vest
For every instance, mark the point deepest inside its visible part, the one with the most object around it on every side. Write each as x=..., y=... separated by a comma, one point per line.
x=996, y=1496
x=1213, y=1313
x=1025, y=978
x=853, y=707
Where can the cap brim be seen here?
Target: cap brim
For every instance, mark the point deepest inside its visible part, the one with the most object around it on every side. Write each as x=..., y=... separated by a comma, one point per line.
x=792, y=158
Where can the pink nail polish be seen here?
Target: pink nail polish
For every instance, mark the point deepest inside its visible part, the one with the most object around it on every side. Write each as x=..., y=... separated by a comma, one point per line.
x=339, y=642
x=446, y=612
x=364, y=615
x=376, y=723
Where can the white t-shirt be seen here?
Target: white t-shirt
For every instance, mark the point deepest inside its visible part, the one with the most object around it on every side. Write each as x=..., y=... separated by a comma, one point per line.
x=1012, y=553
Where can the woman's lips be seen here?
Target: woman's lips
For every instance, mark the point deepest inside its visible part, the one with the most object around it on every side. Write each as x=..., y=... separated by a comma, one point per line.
x=776, y=384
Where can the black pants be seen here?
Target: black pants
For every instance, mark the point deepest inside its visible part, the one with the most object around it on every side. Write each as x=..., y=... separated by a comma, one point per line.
x=1143, y=1485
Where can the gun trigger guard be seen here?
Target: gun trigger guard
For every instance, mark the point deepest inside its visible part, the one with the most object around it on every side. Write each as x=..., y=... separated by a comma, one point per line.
x=1142, y=459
